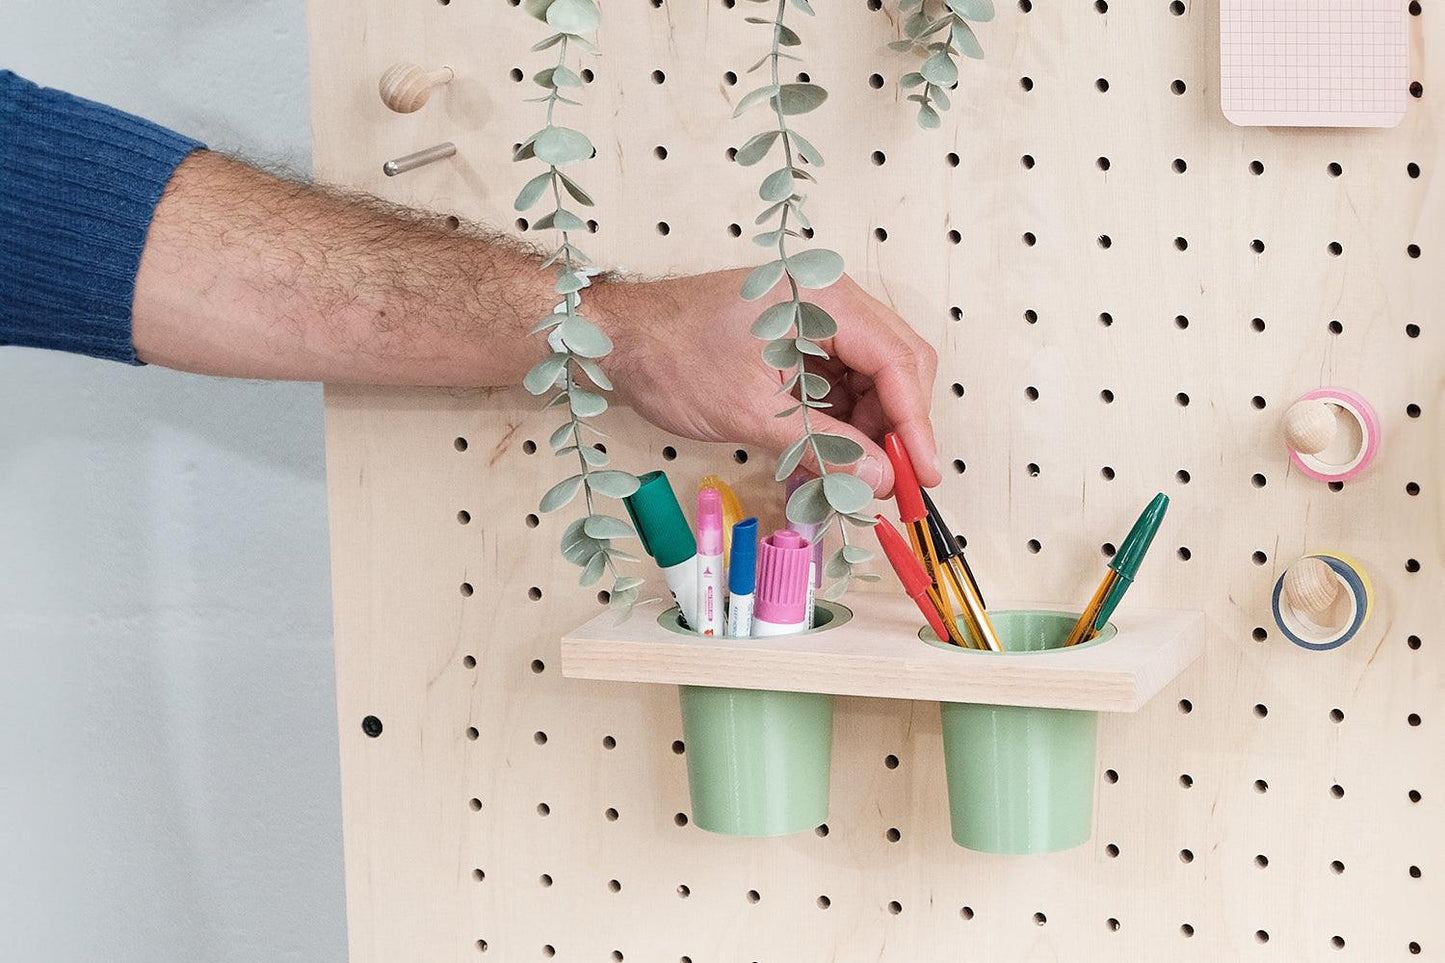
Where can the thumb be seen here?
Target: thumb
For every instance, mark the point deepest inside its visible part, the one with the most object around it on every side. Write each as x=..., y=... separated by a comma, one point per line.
x=873, y=469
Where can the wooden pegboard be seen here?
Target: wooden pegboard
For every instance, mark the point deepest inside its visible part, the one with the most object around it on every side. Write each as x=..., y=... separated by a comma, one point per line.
x=504, y=813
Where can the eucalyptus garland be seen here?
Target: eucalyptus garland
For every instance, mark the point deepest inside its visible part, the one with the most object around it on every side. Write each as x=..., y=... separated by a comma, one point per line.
x=941, y=42
x=577, y=344
x=793, y=327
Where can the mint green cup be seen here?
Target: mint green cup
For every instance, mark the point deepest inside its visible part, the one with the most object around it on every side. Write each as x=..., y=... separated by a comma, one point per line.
x=758, y=762
x=1020, y=778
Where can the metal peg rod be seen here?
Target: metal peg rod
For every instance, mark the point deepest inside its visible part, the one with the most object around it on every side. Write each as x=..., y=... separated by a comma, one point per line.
x=421, y=158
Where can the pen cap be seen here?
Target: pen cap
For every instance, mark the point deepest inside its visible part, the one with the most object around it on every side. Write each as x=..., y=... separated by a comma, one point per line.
x=659, y=520
x=906, y=490
x=782, y=590
x=709, y=522
x=743, y=566
x=1136, y=545
x=943, y=541
x=915, y=580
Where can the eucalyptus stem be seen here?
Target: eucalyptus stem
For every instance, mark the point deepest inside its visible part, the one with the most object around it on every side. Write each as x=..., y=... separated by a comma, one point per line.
x=939, y=71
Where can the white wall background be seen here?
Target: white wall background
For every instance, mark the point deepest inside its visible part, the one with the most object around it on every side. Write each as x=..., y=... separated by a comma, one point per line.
x=168, y=764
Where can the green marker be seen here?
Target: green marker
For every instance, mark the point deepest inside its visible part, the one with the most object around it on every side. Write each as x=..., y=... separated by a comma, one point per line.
x=1127, y=560
x=667, y=537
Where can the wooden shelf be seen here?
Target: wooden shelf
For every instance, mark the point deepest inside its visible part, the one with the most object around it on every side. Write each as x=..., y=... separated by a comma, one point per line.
x=877, y=653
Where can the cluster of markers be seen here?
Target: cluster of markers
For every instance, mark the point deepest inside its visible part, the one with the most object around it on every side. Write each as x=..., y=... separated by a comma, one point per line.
x=729, y=583
x=726, y=581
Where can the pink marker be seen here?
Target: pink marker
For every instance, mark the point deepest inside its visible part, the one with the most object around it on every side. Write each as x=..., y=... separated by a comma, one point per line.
x=709, y=562
x=781, y=607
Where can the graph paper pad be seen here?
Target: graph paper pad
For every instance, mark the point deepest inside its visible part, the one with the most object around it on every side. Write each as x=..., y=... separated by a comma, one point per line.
x=1313, y=63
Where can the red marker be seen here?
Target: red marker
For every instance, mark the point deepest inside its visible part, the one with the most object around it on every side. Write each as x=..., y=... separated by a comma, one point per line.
x=916, y=583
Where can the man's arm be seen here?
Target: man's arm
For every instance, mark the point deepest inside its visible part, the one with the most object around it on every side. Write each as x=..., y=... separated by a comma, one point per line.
x=249, y=275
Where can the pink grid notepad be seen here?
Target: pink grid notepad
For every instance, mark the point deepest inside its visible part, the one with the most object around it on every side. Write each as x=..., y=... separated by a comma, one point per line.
x=1313, y=63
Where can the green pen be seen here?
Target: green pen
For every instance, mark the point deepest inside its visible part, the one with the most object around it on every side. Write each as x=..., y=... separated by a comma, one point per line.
x=1127, y=560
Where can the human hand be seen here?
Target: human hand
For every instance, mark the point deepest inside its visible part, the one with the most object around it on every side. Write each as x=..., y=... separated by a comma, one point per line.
x=683, y=358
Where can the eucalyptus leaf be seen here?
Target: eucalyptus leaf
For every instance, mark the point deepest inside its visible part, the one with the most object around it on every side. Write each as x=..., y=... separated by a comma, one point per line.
x=594, y=457
x=565, y=220
x=808, y=505
x=562, y=145
x=796, y=99
x=857, y=554
x=564, y=76
x=807, y=347
x=835, y=591
x=543, y=78
x=773, y=209
x=928, y=118
x=525, y=150
x=551, y=41
x=815, y=386
x=575, y=189
x=596, y=565
x=816, y=268
x=804, y=6
x=901, y=46
x=778, y=185
x=752, y=98
x=560, y=494
x=605, y=526
x=614, y=484
x=837, y=565
x=762, y=279
x=586, y=404
x=626, y=583
x=966, y=41
x=560, y=435
x=908, y=5
x=846, y=493
x=775, y=321
x=790, y=410
x=939, y=69
x=544, y=223
x=787, y=36
x=789, y=459
x=570, y=281
x=816, y=323
x=910, y=79
x=544, y=373
x=758, y=20
x=537, y=8
x=914, y=26
x=622, y=604
x=532, y=191
x=756, y=148
x=806, y=150
x=573, y=16
x=789, y=383
x=584, y=338
x=837, y=449
x=769, y=238
x=781, y=354
x=979, y=10
x=940, y=99
x=599, y=378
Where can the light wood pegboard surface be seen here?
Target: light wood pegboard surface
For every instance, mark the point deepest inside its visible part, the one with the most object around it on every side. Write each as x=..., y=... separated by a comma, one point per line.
x=1231, y=768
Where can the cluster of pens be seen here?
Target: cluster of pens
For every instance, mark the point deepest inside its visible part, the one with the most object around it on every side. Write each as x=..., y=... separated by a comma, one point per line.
x=726, y=581
x=935, y=574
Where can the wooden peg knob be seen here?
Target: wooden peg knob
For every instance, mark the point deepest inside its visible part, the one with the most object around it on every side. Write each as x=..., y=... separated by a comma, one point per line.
x=1310, y=586
x=1310, y=426
x=406, y=87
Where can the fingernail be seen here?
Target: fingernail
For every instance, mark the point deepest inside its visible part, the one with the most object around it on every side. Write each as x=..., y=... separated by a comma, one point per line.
x=870, y=473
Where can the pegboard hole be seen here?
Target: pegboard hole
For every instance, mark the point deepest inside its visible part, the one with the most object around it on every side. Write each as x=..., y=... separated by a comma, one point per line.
x=1103, y=163
x=1417, y=89
x=1185, y=929
x=1102, y=85
x=1186, y=781
x=1184, y=553
x=1413, y=719
x=1105, y=241
x=824, y=902
x=1261, y=710
x=372, y=726
x=956, y=313
x=959, y=466
x=1180, y=165
x=459, y=443
x=548, y=950
x=679, y=820
x=1259, y=634
x=1182, y=476
x=957, y=389
x=1106, y=396
x=1111, y=776
x=893, y=835
x=754, y=896
x=1181, y=244
x=469, y=661
x=1412, y=410
x=473, y=733
x=669, y=453
x=1262, y=861
x=611, y=814
x=464, y=517
x=895, y=907
x=1261, y=787
x=1258, y=558
x=658, y=77
x=1185, y=706
x=952, y=159
x=678, y=748
x=1106, y=319
x=1112, y=851
x=1336, y=248
x=1337, y=867
x=1108, y=549
x=684, y=891
x=1412, y=169
x=1031, y=316
x=534, y=593
x=663, y=228
x=735, y=230
x=1337, y=791
x=1412, y=330
x=880, y=234
x=1102, y=6
x=481, y=944
x=533, y=520
x=1338, y=942
x=1040, y=919
x=1034, y=546
x=1335, y=327
x=659, y=152
x=1257, y=246
x=1027, y=83
x=614, y=886
x=545, y=879
x=1181, y=322
x=539, y=737
x=878, y=158
x=1027, y=160
x=875, y=81
x=1031, y=393
x=451, y=222
x=966, y=912
x=1112, y=924
x=1178, y=87
x=1337, y=715
x=608, y=742
x=1026, y=5
x=730, y=78
x=1412, y=565
x=538, y=666
x=1413, y=641
x=478, y=875
x=1030, y=239
x=1415, y=872
x=1261, y=936
x=1186, y=855
x=1107, y=472
x=1256, y=167
x=1335, y=170
x=890, y=761
x=821, y=830
x=466, y=589
x=474, y=804
x=954, y=237
x=1257, y=324
x=740, y=456
x=515, y=74
x=1032, y=469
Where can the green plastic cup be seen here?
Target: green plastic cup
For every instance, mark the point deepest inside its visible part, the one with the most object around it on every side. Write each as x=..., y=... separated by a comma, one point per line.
x=1020, y=778
x=758, y=761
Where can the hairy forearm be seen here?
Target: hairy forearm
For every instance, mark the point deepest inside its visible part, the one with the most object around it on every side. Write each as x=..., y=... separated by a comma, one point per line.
x=249, y=275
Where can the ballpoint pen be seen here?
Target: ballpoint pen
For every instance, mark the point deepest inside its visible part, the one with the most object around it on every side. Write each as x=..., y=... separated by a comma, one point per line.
x=957, y=552
x=960, y=582
x=710, y=617
x=1122, y=569
x=916, y=584
x=910, y=511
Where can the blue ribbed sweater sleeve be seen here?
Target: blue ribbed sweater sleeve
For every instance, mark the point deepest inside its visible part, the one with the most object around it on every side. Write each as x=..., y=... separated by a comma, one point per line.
x=79, y=182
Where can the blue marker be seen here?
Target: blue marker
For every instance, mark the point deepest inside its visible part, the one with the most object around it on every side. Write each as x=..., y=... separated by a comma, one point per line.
x=742, y=578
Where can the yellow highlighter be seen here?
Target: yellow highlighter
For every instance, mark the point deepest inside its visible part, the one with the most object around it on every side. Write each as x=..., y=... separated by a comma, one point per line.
x=732, y=510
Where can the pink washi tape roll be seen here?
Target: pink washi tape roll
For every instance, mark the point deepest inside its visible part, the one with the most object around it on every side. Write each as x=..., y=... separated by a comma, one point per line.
x=1312, y=430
